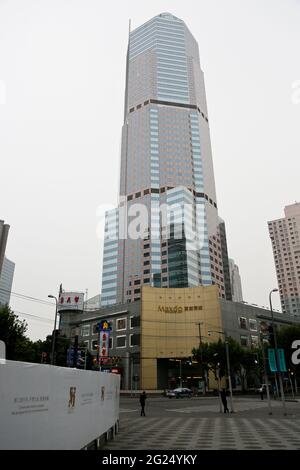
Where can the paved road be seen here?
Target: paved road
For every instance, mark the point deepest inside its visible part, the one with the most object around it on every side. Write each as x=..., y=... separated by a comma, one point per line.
x=197, y=423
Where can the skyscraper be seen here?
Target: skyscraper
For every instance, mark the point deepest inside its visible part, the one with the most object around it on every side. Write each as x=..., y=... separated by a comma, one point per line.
x=285, y=238
x=235, y=282
x=165, y=231
x=6, y=281
x=225, y=259
x=4, y=229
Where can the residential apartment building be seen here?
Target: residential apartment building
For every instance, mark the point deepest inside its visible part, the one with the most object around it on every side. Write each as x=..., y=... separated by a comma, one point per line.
x=285, y=239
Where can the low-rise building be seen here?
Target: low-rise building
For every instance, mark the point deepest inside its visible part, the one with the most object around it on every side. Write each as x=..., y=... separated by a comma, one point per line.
x=153, y=337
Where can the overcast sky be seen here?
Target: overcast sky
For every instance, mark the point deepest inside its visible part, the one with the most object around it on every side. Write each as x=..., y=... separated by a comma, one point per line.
x=62, y=76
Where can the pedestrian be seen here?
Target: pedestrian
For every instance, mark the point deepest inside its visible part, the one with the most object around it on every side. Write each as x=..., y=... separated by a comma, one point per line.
x=224, y=400
x=142, y=402
x=261, y=391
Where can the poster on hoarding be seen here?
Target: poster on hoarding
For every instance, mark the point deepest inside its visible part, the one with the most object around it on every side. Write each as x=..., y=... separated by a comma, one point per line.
x=48, y=407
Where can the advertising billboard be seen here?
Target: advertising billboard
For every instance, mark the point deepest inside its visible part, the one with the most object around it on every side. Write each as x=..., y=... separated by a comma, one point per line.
x=70, y=301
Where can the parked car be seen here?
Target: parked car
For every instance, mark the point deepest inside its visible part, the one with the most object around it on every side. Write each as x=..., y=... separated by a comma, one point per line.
x=170, y=393
x=182, y=392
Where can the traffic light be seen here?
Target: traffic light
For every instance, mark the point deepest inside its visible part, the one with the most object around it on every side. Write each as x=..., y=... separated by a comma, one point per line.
x=44, y=358
x=70, y=356
x=270, y=330
x=80, y=359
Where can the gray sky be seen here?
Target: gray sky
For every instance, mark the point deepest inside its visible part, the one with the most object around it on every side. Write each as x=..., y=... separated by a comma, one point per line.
x=62, y=75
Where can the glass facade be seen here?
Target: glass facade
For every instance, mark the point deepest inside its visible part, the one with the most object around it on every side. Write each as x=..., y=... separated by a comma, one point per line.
x=166, y=161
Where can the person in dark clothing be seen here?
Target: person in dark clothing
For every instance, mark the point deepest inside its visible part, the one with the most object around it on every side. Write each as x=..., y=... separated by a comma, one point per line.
x=261, y=392
x=142, y=402
x=224, y=400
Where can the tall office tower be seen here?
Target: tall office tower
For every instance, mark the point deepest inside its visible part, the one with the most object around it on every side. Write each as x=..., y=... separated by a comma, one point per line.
x=225, y=259
x=4, y=229
x=6, y=281
x=166, y=171
x=235, y=281
x=285, y=238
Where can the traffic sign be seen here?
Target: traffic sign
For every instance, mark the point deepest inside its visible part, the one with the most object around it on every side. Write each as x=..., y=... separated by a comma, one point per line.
x=272, y=360
x=281, y=357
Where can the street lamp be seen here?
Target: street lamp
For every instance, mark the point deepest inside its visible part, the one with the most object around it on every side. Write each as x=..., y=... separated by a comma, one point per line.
x=276, y=352
x=54, y=331
x=265, y=372
x=201, y=357
x=180, y=371
x=228, y=364
x=219, y=382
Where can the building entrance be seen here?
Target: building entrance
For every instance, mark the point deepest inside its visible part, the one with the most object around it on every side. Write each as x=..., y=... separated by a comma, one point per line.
x=178, y=372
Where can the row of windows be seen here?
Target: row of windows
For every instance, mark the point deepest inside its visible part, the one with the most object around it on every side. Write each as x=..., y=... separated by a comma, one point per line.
x=163, y=189
x=149, y=34
x=166, y=103
x=245, y=341
x=244, y=325
x=120, y=342
x=121, y=324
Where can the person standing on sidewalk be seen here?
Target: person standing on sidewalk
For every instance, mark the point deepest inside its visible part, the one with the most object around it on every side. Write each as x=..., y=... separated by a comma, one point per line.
x=261, y=391
x=224, y=400
x=143, y=402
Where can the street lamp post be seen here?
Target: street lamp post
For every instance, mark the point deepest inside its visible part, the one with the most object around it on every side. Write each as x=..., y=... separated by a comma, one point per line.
x=229, y=373
x=265, y=373
x=180, y=372
x=219, y=383
x=201, y=358
x=276, y=353
x=54, y=331
x=228, y=365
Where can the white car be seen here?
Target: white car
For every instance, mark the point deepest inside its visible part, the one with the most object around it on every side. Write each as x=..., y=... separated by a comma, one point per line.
x=179, y=392
x=170, y=393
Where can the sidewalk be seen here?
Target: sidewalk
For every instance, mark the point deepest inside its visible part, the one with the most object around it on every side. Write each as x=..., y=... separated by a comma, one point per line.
x=197, y=424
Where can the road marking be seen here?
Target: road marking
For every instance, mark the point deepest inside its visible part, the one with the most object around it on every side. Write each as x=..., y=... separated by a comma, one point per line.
x=128, y=410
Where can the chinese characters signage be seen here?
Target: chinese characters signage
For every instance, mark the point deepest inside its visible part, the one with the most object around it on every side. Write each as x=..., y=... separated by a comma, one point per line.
x=104, y=328
x=70, y=301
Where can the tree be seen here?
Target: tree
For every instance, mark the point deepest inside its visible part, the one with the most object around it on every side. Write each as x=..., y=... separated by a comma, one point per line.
x=20, y=348
x=242, y=361
x=12, y=332
x=61, y=347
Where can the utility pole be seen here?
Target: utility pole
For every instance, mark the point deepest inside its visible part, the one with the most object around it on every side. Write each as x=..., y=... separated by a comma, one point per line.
x=276, y=354
x=54, y=331
x=180, y=372
x=201, y=356
x=229, y=373
x=75, y=351
x=265, y=373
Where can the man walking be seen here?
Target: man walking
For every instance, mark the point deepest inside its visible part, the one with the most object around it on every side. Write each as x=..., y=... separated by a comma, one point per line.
x=142, y=402
x=224, y=400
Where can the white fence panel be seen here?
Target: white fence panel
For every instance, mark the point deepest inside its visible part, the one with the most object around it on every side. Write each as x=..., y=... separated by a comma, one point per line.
x=47, y=407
